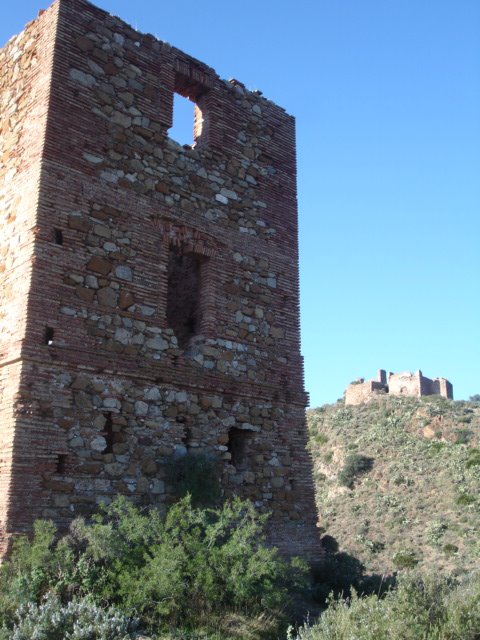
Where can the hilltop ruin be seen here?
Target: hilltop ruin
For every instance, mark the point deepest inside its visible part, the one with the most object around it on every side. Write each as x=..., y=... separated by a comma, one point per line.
x=397, y=384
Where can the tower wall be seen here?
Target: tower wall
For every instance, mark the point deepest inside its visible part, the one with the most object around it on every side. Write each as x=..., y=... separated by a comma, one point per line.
x=162, y=312
x=25, y=72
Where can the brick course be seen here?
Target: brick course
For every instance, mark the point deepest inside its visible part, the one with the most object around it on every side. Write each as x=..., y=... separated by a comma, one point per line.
x=114, y=239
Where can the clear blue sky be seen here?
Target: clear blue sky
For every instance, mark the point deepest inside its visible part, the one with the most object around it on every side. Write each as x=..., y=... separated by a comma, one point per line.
x=387, y=99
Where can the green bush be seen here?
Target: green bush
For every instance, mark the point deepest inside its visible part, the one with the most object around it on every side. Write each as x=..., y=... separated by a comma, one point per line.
x=77, y=620
x=464, y=499
x=463, y=436
x=420, y=608
x=450, y=549
x=436, y=447
x=405, y=560
x=199, y=561
x=436, y=531
x=355, y=465
x=320, y=438
x=473, y=458
x=34, y=567
x=191, y=567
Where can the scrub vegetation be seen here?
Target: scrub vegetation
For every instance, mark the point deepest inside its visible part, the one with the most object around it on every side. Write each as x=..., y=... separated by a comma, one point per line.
x=398, y=482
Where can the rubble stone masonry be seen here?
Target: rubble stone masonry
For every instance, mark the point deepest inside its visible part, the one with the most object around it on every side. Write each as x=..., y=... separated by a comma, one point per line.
x=149, y=294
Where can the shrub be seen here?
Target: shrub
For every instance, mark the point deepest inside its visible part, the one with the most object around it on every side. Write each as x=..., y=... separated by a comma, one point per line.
x=405, y=560
x=436, y=531
x=203, y=562
x=464, y=499
x=33, y=566
x=436, y=447
x=420, y=608
x=450, y=549
x=463, y=436
x=194, y=565
x=355, y=465
x=473, y=458
x=77, y=620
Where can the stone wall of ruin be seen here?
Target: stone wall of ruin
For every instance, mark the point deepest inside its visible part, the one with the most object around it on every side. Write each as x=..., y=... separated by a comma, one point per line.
x=443, y=387
x=405, y=384
x=360, y=392
x=25, y=71
x=109, y=394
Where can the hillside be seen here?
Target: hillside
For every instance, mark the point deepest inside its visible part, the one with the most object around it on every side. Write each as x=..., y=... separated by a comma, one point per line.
x=415, y=498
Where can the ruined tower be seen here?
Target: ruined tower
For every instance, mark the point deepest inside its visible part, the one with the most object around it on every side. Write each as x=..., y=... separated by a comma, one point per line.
x=149, y=291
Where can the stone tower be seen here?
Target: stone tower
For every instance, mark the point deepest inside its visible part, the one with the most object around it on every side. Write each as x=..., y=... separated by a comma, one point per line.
x=149, y=291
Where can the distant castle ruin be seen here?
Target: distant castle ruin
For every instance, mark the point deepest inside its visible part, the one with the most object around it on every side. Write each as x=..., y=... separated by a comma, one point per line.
x=397, y=384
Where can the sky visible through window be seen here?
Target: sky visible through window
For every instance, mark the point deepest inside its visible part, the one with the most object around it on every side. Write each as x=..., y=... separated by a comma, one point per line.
x=183, y=115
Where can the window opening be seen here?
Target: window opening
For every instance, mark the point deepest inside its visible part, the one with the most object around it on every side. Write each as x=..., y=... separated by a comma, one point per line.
x=189, y=102
x=238, y=441
x=182, y=130
x=48, y=336
x=61, y=463
x=183, y=295
x=108, y=432
x=58, y=236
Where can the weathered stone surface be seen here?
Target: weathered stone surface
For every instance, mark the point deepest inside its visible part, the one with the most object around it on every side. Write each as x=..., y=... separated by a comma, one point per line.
x=157, y=344
x=124, y=273
x=98, y=443
x=107, y=297
x=141, y=408
x=85, y=79
x=125, y=299
x=99, y=265
x=85, y=294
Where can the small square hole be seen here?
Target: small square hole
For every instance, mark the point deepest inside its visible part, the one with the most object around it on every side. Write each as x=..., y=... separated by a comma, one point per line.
x=61, y=463
x=48, y=336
